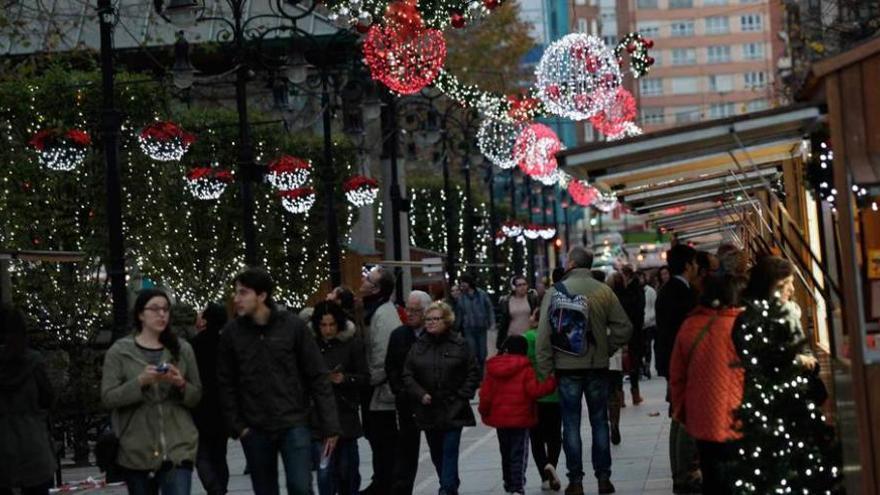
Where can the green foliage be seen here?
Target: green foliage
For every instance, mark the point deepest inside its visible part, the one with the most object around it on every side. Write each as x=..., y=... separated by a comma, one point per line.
x=787, y=446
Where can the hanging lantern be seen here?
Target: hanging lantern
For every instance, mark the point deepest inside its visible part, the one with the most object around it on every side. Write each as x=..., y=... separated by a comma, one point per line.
x=582, y=193
x=288, y=172
x=165, y=141
x=496, y=140
x=532, y=231
x=577, y=76
x=512, y=228
x=299, y=200
x=361, y=190
x=403, y=57
x=612, y=121
x=535, y=150
x=207, y=183
x=605, y=202
x=59, y=150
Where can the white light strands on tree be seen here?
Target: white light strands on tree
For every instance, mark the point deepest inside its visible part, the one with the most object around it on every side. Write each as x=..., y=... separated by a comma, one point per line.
x=298, y=200
x=61, y=151
x=497, y=139
x=605, y=202
x=165, y=141
x=535, y=150
x=207, y=183
x=288, y=172
x=578, y=76
x=361, y=190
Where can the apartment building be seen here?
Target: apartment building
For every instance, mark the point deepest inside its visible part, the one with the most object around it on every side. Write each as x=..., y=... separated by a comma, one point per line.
x=714, y=59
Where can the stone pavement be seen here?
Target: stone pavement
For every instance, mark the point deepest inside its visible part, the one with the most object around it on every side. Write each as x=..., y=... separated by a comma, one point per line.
x=640, y=462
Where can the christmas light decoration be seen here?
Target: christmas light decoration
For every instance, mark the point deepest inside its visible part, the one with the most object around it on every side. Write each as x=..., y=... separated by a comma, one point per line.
x=577, y=76
x=605, y=202
x=535, y=150
x=360, y=190
x=630, y=129
x=496, y=140
x=500, y=237
x=637, y=47
x=288, y=172
x=820, y=174
x=405, y=60
x=433, y=14
x=550, y=179
x=207, y=183
x=512, y=228
x=532, y=231
x=498, y=107
x=165, y=141
x=612, y=120
x=582, y=193
x=299, y=200
x=547, y=232
x=60, y=150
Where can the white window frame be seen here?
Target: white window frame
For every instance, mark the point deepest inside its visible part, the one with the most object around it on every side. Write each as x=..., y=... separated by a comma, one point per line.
x=723, y=28
x=690, y=56
x=751, y=23
x=685, y=85
x=651, y=87
x=755, y=79
x=718, y=59
x=729, y=83
x=653, y=116
x=750, y=54
x=686, y=33
x=722, y=110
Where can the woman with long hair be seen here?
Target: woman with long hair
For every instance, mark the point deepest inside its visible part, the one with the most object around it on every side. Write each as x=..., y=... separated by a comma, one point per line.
x=151, y=383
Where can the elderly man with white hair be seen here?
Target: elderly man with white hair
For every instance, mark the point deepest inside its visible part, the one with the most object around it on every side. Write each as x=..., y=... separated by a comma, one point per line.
x=406, y=462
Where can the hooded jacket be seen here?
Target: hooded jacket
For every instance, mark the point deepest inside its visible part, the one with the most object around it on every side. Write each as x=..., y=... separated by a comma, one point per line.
x=153, y=423
x=510, y=390
x=345, y=353
x=26, y=455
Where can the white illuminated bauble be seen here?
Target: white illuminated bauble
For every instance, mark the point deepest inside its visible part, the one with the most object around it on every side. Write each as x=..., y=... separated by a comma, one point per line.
x=496, y=140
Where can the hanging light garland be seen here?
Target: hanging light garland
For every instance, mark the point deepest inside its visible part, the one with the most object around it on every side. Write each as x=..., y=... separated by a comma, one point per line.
x=207, y=183
x=577, y=76
x=165, y=141
x=582, y=193
x=437, y=14
x=500, y=237
x=532, y=231
x=637, y=47
x=605, y=202
x=535, y=150
x=288, y=172
x=612, y=121
x=299, y=200
x=550, y=179
x=361, y=190
x=546, y=232
x=496, y=140
x=60, y=150
x=512, y=228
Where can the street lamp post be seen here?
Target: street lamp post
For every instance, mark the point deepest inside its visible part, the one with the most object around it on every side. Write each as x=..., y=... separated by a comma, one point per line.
x=517, y=252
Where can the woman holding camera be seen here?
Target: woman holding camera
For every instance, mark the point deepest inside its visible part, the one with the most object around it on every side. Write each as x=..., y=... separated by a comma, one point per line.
x=150, y=382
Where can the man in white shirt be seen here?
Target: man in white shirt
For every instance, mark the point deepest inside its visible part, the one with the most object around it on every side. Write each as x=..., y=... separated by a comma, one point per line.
x=650, y=323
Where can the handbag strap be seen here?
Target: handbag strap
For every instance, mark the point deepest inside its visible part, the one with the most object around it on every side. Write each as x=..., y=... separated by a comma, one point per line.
x=701, y=336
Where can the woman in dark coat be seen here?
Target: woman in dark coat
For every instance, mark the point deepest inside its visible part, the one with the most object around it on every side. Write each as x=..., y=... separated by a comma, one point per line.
x=346, y=358
x=441, y=375
x=27, y=461
x=213, y=434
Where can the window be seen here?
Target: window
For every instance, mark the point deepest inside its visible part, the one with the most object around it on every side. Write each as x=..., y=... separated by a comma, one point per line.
x=753, y=51
x=610, y=40
x=653, y=115
x=717, y=25
x=751, y=22
x=721, y=110
x=580, y=2
x=685, y=85
x=721, y=83
x=718, y=54
x=710, y=3
x=682, y=28
x=681, y=4
x=582, y=25
x=755, y=79
x=683, y=115
x=647, y=4
x=757, y=105
x=649, y=29
x=651, y=87
x=684, y=56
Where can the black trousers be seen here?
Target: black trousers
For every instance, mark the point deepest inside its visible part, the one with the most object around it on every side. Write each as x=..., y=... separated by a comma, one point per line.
x=648, y=339
x=406, y=458
x=211, y=463
x=29, y=490
x=715, y=459
x=546, y=436
x=513, y=444
x=381, y=431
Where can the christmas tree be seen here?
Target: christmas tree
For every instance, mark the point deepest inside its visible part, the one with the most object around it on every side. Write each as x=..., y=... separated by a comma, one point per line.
x=787, y=446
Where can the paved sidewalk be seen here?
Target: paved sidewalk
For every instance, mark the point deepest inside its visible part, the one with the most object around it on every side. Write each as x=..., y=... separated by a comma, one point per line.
x=640, y=462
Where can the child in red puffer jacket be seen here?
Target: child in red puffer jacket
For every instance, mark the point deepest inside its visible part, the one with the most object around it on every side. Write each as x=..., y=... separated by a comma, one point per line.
x=507, y=402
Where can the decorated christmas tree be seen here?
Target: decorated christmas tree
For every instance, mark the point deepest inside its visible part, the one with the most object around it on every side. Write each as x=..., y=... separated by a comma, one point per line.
x=787, y=445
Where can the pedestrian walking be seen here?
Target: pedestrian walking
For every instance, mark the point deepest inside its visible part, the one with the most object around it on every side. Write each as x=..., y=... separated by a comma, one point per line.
x=650, y=330
x=213, y=434
x=674, y=301
x=515, y=309
x=474, y=307
x=345, y=356
x=546, y=436
x=615, y=374
x=406, y=462
x=380, y=417
x=271, y=374
x=27, y=460
x=663, y=276
x=706, y=385
x=508, y=397
x=441, y=375
x=582, y=323
x=151, y=383
x=632, y=298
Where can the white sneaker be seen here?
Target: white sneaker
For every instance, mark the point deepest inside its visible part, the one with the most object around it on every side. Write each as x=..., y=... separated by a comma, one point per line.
x=545, y=485
x=553, y=480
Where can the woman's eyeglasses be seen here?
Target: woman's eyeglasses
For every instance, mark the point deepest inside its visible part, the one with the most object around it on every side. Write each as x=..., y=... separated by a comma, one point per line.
x=433, y=318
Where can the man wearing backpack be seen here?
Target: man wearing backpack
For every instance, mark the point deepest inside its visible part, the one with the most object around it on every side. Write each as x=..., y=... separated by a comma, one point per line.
x=582, y=324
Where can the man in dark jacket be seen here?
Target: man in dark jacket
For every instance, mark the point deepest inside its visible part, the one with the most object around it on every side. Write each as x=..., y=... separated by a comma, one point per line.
x=674, y=301
x=270, y=371
x=406, y=462
x=632, y=298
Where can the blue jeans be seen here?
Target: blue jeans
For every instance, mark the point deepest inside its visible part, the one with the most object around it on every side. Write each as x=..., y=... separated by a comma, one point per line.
x=340, y=475
x=261, y=450
x=593, y=385
x=444, y=446
x=476, y=339
x=168, y=481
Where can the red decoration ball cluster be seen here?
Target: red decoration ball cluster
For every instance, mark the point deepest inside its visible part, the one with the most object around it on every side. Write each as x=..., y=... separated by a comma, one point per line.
x=358, y=182
x=48, y=138
x=166, y=131
x=612, y=120
x=582, y=193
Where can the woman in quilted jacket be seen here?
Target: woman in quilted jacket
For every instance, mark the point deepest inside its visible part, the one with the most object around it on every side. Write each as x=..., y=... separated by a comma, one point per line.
x=705, y=383
x=508, y=398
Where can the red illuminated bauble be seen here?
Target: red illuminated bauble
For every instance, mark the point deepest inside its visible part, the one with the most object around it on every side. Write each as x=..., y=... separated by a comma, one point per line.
x=490, y=4
x=403, y=17
x=535, y=150
x=649, y=43
x=406, y=64
x=457, y=20
x=582, y=193
x=612, y=120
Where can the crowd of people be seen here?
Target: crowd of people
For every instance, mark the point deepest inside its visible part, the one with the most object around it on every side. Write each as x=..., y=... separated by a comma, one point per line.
x=308, y=385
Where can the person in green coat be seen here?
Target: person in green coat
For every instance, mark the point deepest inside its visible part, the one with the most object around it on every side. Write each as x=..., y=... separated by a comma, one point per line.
x=27, y=461
x=151, y=384
x=546, y=436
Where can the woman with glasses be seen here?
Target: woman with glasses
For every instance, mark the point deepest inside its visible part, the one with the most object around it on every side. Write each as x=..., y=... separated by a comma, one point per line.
x=151, y=384
x=441, y=376
x=514, y=310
